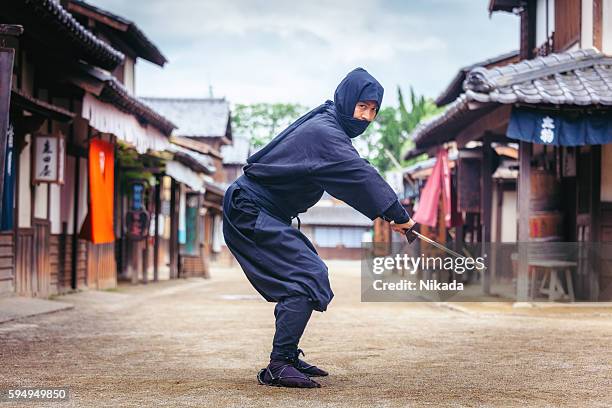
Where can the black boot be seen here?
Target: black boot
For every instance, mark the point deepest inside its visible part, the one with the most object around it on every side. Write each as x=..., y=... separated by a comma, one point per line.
x=283, y=373
x=308, y=369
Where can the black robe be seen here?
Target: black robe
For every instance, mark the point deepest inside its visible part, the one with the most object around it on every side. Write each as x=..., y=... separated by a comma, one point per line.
x=287, y=177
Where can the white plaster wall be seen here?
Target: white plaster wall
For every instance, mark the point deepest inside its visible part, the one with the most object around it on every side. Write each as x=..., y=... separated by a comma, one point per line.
x=509, y=216
x=541, y=34
x=40, y=201
x=607, y=27
x=25, y=199
x=586, y=29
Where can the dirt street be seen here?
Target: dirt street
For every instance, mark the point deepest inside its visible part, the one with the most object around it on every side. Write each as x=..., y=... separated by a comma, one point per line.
x=200, y=343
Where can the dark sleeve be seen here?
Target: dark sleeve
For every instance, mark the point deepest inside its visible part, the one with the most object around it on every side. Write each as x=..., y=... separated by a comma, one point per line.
x=396, y=213
x=339, y=170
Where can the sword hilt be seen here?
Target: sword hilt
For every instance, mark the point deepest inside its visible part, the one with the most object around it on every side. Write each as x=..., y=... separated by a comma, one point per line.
x=410, y=237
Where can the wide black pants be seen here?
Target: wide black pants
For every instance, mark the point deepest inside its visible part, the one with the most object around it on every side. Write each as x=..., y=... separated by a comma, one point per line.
x=281, y=264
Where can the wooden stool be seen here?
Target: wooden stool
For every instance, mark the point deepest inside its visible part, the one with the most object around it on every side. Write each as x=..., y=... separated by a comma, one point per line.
x=552, y=280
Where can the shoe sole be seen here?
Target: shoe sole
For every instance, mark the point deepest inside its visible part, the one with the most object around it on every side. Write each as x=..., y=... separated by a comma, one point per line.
x=260, y=380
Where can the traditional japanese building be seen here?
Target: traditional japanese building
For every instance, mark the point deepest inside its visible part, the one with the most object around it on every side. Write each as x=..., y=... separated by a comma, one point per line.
x=554, y=107
x=336, y=229
x=204, y=126
x=69, y=117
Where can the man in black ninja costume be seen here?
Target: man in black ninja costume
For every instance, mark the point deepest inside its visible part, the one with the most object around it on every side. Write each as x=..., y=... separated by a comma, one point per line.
x=285, y=178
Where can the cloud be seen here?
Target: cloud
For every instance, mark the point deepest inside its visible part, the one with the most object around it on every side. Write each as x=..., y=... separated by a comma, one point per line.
x=275, y=50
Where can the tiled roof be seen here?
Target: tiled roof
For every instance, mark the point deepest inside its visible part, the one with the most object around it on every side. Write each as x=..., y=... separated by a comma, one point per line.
x=574, y=78
x=455, y=88
x=126, y=28
x=206, y=117
x=504, y=5
x=335, y=215
x=582, y=77
x=56, y=27
x=237, y=152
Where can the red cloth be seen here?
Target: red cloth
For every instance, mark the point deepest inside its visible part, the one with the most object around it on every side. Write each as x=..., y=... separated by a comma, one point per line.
x=438, y=182
x=101, y=191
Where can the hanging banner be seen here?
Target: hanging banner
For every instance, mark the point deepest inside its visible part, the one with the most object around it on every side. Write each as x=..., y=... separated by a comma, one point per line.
x=191, y=220
x=137, y=218
x=182, y=224
x=101, y=190
x=8, y=195
x=560, y=129
x=438, y=183
x=7, y=56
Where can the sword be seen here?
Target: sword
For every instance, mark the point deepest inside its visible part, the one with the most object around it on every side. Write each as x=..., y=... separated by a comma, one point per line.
x=429, y=241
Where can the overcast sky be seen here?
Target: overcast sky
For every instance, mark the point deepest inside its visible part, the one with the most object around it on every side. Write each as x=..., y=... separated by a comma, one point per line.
x=298, y=51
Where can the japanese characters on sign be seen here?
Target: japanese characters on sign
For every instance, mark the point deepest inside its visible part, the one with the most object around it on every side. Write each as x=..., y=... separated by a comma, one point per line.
x=137, y=219
x=48, y=159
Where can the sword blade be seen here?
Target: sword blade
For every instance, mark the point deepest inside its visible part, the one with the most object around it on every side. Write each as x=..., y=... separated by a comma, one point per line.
x=439, y=246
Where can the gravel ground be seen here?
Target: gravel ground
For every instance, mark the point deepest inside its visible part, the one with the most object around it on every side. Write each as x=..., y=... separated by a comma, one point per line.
x=200, y=343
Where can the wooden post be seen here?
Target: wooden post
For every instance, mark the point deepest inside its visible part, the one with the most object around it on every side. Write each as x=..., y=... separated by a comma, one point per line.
x=75, y=221
x=486, y=196
x=597, y=24
x=522, y=280
x=158, y=188
x=145, y=262
x=173, y=230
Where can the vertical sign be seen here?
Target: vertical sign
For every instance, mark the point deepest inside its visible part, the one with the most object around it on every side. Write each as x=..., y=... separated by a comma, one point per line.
x=49, y=156
x=46, y=159
x=191, y=218
x=8, y=43
x=6, y=76
x=6, y=222
x=137, y=218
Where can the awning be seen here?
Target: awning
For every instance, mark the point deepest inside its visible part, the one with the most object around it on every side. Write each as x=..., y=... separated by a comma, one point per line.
x=40, y=107
x=185, y=175
x=194, y=160
x=560, y=129
x=106, y=118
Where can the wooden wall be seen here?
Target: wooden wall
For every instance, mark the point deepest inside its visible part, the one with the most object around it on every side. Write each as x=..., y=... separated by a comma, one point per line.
x=101, y=266
x=193, y=266
x=7, y=264
x=60, y=259
x=24, y=278
x=341, y=252
x=605, y=277
x=567, y=24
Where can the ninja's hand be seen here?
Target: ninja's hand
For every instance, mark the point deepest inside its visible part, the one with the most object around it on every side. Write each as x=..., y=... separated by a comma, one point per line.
x=402, y=228
x=406, y=229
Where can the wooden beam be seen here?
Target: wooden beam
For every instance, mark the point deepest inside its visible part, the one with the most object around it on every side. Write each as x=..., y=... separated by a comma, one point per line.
x=12, y=30
x=196, y=145
x=210, y=204
x=486, y=196
x=96, y=16
x=597, y=24
x=174, y=211
x=595, y=193
x=524, y=192
x=158, y=187
x=496, y=120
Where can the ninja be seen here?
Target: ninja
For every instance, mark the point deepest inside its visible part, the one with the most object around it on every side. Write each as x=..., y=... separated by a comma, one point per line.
x=285, y=178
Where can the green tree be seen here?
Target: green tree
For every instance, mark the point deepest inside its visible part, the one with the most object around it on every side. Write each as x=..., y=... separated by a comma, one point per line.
x=388, y=137
x=260, y=122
